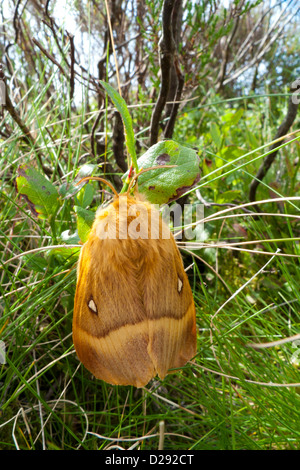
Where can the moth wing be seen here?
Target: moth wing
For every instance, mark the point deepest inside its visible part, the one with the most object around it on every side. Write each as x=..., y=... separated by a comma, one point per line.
x=134, y=314
x=110, y=329
x=171, y=311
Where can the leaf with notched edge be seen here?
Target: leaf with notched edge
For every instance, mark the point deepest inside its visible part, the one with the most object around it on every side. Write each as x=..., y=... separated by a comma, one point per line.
x=40, y=193
x=164, y=185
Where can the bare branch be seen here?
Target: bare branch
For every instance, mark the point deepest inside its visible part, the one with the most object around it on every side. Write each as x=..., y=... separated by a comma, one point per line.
x=267, y=42
x=72, y=55
x=167, y=49
x=118, y=142
x=50, y=57
x=180, y=82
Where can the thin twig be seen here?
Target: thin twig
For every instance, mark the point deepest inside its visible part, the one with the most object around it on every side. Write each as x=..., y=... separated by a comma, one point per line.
x=271, y=344
x=72, y=55
x=50, y=57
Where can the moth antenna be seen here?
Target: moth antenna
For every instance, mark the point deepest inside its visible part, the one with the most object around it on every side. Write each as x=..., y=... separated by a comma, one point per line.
x=98, y=178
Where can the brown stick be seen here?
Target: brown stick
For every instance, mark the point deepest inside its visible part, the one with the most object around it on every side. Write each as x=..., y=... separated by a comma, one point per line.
x=72, y=55
x=37, y=43
x=171, y=122
x=118, y=142
x=167, y=49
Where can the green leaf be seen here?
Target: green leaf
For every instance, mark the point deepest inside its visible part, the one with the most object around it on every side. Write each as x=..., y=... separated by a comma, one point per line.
x=69, y=238
x=36, y=262
x=85, y=221
x=163, y=185
x=85, y=196
x=228, y=196
x=38, y=191
x=232, y=118
x=254, y=144
x=86, y=170
x=230, y=153
x=62, y=254
x=121, y=106
x=216, y=134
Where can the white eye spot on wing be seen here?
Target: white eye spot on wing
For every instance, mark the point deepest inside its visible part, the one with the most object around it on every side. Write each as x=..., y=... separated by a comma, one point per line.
x=92, y=306
x=179, y=285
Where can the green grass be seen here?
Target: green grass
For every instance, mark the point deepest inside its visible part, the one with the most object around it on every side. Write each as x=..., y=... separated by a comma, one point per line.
x=231, y=396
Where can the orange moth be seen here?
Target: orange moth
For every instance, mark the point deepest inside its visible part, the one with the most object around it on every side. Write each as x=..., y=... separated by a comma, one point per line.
x=134, y=313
